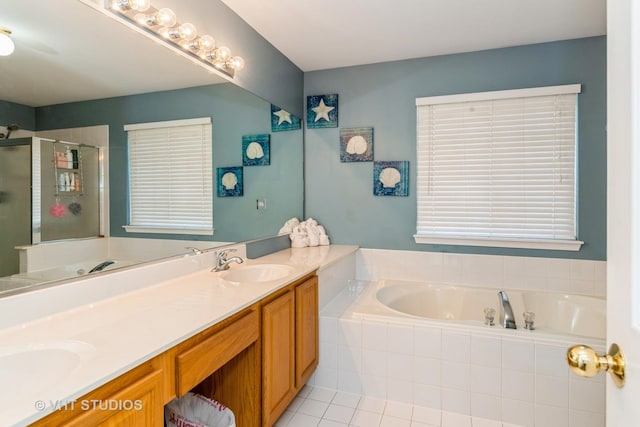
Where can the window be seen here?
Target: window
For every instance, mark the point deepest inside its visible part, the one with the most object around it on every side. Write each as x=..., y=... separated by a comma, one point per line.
x=170, y=177
x=498, y=169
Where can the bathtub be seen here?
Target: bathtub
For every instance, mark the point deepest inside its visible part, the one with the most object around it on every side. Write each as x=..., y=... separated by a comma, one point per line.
x=426, y=344
x=555, y=313
x=69, y=271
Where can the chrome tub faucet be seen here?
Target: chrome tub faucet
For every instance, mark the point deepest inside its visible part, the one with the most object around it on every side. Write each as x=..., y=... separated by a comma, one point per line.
x=222, y=262
x=506, y=313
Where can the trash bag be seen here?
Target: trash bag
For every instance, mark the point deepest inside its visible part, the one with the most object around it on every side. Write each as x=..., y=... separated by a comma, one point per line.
x=194, y=410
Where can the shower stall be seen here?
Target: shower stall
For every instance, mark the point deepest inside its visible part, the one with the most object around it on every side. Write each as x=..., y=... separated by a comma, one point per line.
x=49, y=190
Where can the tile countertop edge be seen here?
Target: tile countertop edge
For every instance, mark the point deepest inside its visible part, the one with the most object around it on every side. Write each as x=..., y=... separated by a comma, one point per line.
x=101, y=320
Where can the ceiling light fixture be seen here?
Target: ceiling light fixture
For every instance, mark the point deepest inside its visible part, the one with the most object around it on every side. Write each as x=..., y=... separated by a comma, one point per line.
x=163, y=23
x=6, y=44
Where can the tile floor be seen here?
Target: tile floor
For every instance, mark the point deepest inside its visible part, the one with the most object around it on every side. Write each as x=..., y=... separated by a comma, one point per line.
x=321, y=407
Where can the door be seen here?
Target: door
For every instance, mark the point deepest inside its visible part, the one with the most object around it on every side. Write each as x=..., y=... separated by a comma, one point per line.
x=15, y=202
x=623, y=205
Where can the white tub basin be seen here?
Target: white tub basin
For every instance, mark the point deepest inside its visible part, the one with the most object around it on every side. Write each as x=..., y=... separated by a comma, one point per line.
x=257, y=273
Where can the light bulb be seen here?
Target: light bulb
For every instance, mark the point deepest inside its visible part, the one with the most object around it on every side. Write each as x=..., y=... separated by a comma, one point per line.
x=187, y=32
x=181, y=34
x=125, y=5
x=6, y=44
x=165, y=17
x=223, y=52
x=206, y=42
x=237, y=63
x=140, y=5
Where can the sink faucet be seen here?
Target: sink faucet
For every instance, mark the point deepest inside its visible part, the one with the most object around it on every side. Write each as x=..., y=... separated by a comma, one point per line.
x=506, y=313
x=101, y=266
x=222, y=262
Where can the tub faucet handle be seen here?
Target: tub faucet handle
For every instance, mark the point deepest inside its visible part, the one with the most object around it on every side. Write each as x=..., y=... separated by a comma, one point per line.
x=489, y=316
x=529, y=318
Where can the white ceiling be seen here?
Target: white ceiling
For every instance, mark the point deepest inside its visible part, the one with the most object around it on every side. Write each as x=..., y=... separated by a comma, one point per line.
x=317, y=35
x=66, y=51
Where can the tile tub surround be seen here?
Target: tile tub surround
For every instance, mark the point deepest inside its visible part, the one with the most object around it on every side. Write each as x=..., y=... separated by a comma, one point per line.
x=470, y=371
x=579, y=277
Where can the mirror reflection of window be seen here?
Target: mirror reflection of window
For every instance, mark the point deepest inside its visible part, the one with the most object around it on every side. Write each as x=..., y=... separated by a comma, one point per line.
x=170, y=177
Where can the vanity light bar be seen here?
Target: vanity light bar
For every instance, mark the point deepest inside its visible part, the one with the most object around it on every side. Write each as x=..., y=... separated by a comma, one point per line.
x=164, y=24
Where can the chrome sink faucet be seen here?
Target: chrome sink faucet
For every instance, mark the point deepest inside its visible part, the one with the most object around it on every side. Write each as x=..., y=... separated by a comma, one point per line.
x=222, y=262
x=506, y=313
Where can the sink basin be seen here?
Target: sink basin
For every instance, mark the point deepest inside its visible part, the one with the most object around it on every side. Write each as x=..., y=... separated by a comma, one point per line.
x=39, y=366
x=257, y=273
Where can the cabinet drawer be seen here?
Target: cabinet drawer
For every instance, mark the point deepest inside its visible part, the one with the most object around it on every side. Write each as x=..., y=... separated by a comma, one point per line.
x=203, y=359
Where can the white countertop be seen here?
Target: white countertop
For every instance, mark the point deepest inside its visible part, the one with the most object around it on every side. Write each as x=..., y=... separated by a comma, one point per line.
x=112, y=335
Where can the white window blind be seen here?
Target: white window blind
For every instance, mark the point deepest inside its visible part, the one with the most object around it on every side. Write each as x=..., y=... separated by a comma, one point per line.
x=498, y=168
x=170, y=177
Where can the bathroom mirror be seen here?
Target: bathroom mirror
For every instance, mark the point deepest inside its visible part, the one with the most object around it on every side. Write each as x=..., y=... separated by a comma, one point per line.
x=133, y=80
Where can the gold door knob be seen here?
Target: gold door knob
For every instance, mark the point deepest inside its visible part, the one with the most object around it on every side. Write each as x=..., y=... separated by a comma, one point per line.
x=585, y=362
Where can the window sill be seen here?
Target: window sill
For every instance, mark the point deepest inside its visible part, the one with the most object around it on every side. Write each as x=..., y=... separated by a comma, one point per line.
x=557, y=245
x=160, y=230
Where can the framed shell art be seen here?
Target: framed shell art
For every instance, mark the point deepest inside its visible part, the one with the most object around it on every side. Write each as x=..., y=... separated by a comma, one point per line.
x=282, y=120
x=356, y=145
x=322, y=111
x=256, y=150
x=230, y=182
x=391, y=178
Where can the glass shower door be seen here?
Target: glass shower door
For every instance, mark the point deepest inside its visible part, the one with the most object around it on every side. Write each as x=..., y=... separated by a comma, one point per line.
x=15, y=201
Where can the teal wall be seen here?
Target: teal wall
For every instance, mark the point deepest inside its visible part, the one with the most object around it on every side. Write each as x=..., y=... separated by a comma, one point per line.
x=267, y=72
x=234, y=113
x=382, y=96
x=12, y=113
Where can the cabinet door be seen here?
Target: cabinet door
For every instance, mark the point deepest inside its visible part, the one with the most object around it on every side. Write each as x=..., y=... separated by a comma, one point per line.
x=138, y=404
x=306, y=330
x=278, y=357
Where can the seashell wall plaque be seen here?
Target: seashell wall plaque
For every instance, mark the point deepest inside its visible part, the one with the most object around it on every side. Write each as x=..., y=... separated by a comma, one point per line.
x=356, y=145
x=256, y=150
x=230, y=181
x=322, y=111
x=391, y=178
x=282, y=120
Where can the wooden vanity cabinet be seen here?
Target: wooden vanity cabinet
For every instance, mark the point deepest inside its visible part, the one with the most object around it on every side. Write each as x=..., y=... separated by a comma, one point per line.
x=223, y=363
x=135, y=398
x=289, y=345
x=254, y=362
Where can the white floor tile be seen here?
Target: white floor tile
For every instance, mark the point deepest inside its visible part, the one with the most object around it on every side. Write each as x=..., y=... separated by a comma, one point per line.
x=398, y=410
x=388, y=421
x=372, y=404
x=339, y=413
x=312, y=407
x=349, y=400
x=297, y=401
x=451, y=419
x=322, y=394
x=365, y=419
x=428, y=416
x=302, y=420
x=328, y=423
x=284, y=418
x=323, y=407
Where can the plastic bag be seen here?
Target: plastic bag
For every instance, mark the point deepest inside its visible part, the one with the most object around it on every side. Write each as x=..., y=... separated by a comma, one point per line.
x=194, y=410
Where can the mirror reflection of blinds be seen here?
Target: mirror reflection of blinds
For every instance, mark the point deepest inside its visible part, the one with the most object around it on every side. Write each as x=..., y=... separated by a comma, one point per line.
x=170, y=176
x=500, y=168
